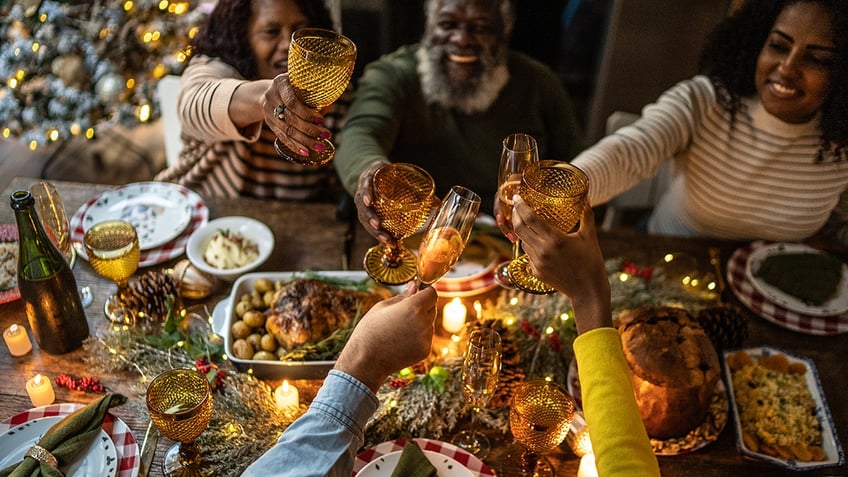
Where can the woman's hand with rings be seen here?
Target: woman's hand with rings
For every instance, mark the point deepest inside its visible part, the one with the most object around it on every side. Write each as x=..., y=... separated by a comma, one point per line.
x=297, y=126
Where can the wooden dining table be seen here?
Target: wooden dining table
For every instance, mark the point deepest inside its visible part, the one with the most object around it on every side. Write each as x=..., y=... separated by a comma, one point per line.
x=309, y=236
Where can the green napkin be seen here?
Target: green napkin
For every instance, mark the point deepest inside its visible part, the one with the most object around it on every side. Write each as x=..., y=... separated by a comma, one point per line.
x=413, y=463
x=67, y=438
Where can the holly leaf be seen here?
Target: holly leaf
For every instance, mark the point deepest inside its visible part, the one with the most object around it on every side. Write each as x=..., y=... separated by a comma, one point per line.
x=436, y=379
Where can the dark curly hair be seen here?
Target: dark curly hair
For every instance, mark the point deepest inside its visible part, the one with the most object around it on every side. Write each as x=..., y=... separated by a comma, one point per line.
x=729, y=59
x=224, y=34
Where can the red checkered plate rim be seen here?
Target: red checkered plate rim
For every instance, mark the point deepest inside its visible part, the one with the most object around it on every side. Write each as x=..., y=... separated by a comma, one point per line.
x=9, y=234
x=472, y=463
x=121, y=435
x=154, y=256
x=769, y=311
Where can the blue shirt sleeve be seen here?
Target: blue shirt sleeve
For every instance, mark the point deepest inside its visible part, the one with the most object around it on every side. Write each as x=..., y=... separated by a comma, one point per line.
x=324, y=440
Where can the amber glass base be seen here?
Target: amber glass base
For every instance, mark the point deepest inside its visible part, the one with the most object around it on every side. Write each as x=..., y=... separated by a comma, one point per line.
x=390, y=267
x=522, y=277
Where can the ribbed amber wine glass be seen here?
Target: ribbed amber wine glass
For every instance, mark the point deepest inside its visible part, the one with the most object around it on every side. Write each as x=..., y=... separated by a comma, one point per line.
x=556, y=191
x=539, y=418
x=403, y=196
x=180, y=405
x=447, y=234
x=113, y=252
x=519, y=151
x=320, y=65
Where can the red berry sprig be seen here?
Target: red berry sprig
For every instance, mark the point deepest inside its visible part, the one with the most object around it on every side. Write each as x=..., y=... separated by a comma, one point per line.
x=86, y=383
x=214, y=375
x=398, y=383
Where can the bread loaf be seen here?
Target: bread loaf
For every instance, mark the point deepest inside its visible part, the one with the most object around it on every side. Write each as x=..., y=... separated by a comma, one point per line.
x=674, y=368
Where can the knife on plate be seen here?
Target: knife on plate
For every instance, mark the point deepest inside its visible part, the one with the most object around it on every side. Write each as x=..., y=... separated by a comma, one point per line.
x=148, y=449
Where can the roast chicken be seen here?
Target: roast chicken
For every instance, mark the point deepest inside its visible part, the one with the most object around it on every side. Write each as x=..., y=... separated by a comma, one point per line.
x=309, y=310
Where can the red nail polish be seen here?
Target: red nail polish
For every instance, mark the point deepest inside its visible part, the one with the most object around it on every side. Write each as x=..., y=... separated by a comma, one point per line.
x=318, y=120
x=325, y=135
x=303, y=152
x=319, y=147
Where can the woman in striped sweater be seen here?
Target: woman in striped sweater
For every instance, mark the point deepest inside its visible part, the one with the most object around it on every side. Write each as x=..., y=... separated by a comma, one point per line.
x=759, y=139
x=228, y=93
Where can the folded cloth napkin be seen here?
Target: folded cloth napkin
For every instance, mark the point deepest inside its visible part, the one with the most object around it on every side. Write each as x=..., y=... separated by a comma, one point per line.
x=413, y=463
x=65, y=439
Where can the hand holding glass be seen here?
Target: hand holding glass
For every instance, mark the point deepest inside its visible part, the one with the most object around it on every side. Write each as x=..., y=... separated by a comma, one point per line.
x=519, y=151
x=447, y=234
x=320, y=65
x=180, y=406
x=556, y=191
x=403, y=195
x=113, y=251
x=481, y=368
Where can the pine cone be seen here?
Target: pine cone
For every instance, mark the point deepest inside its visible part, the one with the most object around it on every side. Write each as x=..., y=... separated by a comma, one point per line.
x=510, y=378
x=148, y=296
x=725, y=324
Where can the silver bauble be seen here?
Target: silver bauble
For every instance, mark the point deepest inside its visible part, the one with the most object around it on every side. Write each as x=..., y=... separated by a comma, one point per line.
x=110, y=87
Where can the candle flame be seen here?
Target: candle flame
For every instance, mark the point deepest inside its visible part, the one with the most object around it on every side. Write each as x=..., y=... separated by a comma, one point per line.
x=285, y=386
x=13, y=330
x=37, y=379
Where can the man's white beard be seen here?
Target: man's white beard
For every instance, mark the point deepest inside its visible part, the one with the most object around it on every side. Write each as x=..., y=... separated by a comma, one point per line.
x=476, y=96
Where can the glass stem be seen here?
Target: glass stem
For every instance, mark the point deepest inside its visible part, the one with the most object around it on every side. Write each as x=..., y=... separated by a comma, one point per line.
x=516, y=248
x=473, y=429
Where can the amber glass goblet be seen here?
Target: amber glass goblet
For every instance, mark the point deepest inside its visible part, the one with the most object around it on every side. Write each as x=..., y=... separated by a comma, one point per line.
x=320, y=65
x=556, y=191
x=180, y=405
x=539, y=418
x=113, y=252
x=403, y=196
x=519, y=151
x=447, y=234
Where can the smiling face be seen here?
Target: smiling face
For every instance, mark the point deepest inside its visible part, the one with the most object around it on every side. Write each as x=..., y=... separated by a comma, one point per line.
x=793, y=75
x=269, y=33
x=469, y=34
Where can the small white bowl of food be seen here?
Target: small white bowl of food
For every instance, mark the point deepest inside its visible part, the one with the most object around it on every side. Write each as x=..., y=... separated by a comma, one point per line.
x=229, y=247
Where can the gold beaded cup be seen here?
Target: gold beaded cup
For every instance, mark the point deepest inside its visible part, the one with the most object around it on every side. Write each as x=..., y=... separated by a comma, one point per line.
x=556, y=191
x=403, y=196
x=540, y=415
x=180, y=404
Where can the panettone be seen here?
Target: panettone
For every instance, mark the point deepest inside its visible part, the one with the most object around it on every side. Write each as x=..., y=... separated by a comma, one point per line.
x=674, y=368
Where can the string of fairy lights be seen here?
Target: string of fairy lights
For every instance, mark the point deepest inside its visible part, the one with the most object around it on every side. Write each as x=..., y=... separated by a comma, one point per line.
x=71, y=68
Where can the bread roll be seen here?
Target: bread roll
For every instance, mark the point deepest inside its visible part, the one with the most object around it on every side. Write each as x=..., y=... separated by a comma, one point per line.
x=674, y=368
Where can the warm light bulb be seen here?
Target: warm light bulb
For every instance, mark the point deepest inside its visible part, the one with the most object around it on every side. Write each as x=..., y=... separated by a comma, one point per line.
x=144, y=113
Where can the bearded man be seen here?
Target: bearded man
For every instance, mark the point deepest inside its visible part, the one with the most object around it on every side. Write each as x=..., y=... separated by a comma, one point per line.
x=447, y=103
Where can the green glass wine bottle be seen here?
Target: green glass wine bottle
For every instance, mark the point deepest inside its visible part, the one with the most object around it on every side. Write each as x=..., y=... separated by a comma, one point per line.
x=47, y=285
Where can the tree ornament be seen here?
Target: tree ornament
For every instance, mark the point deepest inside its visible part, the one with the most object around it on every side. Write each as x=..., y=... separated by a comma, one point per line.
x=71, y=70
x=110, y=87
x=17, y=30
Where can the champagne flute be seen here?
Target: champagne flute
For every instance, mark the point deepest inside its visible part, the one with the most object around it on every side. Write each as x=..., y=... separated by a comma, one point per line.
x=481, y=368
x=180, y=405
x=403, y=195
x=54, y=219
x=556, y=191
x=539, y=418
x=447, y=234
x=519, y=151
x=320, y=65
x=113, y=252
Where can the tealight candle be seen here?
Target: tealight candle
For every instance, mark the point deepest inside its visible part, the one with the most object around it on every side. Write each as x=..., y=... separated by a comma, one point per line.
x=286, y=396
x=17, y=340
x=587, y=466
x=40, y=391
x=453, y=316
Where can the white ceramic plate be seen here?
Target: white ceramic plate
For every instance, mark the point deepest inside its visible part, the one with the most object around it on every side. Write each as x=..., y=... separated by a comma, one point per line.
x=831, y=446
x=385, y=465
x=159, y=211
x=837, y=305
x=469, y=463
x=100, y=458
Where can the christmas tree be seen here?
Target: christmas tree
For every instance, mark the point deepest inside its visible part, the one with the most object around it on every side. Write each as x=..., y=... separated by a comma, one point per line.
x=72, y=68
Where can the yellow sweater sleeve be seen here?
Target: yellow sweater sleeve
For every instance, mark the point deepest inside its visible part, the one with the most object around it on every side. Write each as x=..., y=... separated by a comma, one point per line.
x=619, y=440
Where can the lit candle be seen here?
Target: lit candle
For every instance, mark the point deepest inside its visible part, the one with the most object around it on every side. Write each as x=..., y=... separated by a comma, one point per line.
x=40, y=391
x=17, y=339
x=587, y=466
x=286, y=396
x=453, y=316
x=478, y=310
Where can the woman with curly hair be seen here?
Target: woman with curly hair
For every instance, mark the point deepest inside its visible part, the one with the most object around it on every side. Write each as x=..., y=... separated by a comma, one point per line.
x=228, y=95
x=759, y=139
